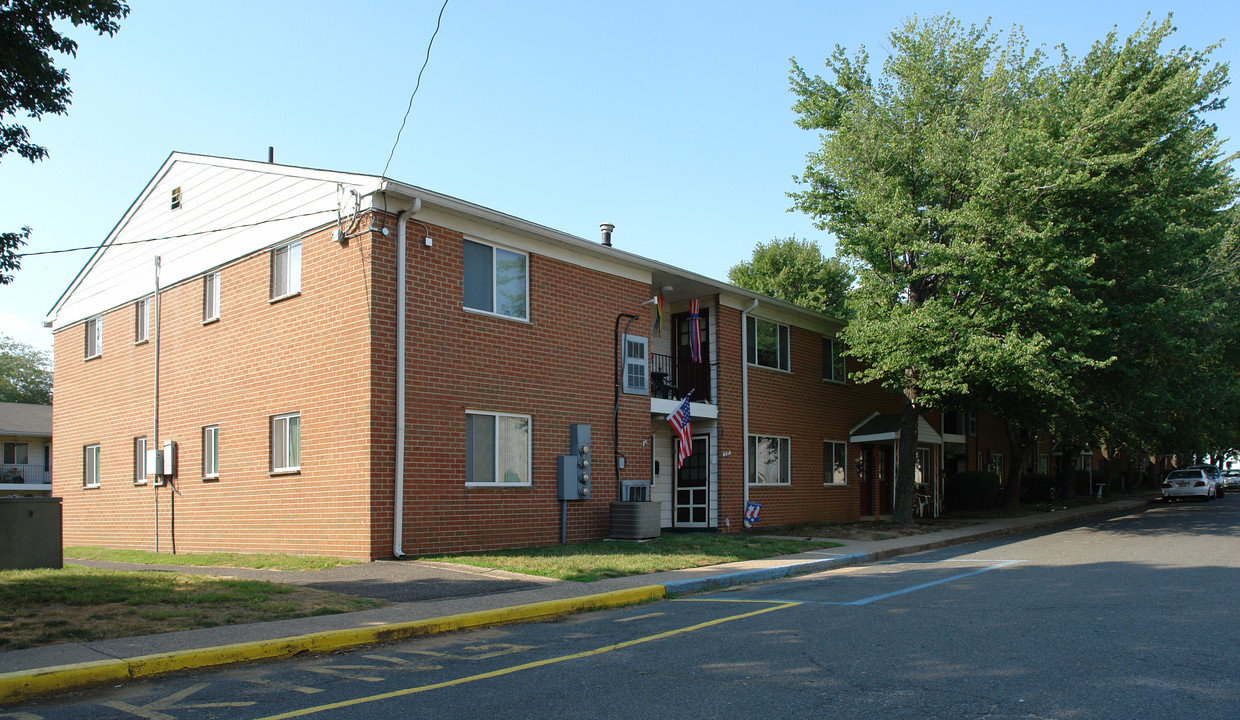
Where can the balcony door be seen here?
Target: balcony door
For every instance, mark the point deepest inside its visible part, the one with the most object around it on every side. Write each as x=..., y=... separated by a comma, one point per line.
x=690, y=375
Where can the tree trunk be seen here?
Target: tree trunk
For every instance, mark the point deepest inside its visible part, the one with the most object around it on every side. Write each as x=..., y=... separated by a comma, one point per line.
x=906, y=485
x=1020, y=446
x=1067, y=472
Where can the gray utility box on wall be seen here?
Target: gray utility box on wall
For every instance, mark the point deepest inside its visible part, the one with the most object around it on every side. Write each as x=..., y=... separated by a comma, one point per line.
x=30, y=533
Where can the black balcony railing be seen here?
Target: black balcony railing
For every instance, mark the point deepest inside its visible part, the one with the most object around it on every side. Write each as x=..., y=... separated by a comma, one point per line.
x=25, y=474
x=671, y=378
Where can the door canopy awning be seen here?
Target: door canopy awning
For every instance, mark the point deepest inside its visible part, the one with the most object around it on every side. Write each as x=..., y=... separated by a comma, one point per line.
x=886, y=428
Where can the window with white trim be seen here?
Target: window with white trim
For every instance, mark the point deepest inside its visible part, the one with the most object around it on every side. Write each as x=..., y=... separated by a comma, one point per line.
x=94, y=337
x=636, y=359
x=834, y=463
x=211, y=452
x=141, y=320
x=286, y=270
x=139, y=460
x=497, y=449
x=286, y=442
x=496, y=280
x=211, y=296
x=768, y=343
x=833, y=360
x=770, y=460
x=921, y=473
x=90, y=466
x=16, y=453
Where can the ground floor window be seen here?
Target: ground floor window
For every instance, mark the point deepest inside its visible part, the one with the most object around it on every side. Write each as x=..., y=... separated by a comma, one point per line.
x=834, y=463
x=497, y=449
x=770, y=460
x=90, y=466
x=286, y=442
x=139, y=460
x=211, y=452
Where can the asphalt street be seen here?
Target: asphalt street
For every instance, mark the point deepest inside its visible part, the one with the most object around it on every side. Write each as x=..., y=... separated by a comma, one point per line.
x=1122, y=617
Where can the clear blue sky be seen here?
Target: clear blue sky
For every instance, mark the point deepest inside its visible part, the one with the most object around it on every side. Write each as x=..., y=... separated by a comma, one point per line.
x=671, y=120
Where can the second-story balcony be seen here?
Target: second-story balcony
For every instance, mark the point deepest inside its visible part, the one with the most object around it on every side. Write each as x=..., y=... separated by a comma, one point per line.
x=672, y=378
x=23, y=474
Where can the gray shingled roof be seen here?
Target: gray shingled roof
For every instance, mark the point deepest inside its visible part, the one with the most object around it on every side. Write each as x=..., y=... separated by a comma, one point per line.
x=25, y=419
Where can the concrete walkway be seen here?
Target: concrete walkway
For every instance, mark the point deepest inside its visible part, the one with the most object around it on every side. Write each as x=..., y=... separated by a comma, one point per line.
x=430, y=598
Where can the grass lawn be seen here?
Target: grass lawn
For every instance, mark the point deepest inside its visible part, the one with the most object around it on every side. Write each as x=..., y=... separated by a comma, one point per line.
x=585, y=562
x=239, y=560
x=43, y=607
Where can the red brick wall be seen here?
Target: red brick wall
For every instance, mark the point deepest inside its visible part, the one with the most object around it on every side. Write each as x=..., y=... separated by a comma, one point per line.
x=307, y=353
x=557, y=368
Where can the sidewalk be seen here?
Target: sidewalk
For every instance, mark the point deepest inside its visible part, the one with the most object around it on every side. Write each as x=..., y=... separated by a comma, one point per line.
x=438, y=597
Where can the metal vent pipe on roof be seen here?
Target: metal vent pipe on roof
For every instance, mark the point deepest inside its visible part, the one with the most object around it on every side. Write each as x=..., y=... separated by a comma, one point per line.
x=271, y=155
x=606, y=228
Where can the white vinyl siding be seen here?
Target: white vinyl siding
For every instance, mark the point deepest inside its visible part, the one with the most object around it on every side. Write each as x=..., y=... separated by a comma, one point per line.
x=770, y=460
x=497, y=449
x=636, y=359
x=286, y=270
x=286, y=442
x=496, y=280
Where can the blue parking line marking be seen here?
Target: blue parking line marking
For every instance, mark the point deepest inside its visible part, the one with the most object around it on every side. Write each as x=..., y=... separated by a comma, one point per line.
x=884, y=596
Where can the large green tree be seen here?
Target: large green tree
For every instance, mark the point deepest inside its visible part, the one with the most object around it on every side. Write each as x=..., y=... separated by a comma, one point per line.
x=30, y=83
x=795, y=271
x=25, y=373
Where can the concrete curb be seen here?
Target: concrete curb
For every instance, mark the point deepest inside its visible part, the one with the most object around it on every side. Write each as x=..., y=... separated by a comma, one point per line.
x=30, y=684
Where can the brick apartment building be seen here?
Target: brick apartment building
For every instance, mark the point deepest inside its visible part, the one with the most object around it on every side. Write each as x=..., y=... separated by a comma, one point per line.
x=250, y=313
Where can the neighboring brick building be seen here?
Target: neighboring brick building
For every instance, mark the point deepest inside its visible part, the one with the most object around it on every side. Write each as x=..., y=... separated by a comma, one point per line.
x=269, y=356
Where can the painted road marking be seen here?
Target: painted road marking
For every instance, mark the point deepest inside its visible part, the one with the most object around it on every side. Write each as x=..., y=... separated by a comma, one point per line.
x=282, y=686
x=528, y=666
x=477, y=652
x=640, y=617
x=922, y=586
x=151, y=711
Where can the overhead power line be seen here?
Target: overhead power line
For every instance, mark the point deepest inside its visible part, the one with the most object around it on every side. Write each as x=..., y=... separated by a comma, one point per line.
x=425, y=62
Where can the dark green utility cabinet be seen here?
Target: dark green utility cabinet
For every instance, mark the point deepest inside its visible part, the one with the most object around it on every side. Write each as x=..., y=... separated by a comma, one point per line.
x=30, y=533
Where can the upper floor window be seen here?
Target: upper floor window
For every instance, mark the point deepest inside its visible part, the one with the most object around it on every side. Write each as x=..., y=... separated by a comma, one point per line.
x=211, y=296
x=141, y=320
x=90, y=466
x=286, y=270
x=636, y=361
x=768, y=343
x=16, y=453
x=286, y=442
x=496, y=280
x=770, y=460
x=833, y=359
x=834, y=463
x=94, y=337
x=497, y=449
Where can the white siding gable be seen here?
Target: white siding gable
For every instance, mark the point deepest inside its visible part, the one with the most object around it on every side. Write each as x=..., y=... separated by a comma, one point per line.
x=228, y=209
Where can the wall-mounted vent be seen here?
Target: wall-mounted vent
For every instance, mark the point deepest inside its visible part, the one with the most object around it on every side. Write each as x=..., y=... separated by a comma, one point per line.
x=176, y=198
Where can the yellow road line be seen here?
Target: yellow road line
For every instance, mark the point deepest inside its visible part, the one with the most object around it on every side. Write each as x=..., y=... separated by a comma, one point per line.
x=526, y=666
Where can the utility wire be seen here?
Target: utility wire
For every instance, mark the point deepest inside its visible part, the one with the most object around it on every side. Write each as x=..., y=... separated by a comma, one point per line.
x=415, y=89
x=174, y=237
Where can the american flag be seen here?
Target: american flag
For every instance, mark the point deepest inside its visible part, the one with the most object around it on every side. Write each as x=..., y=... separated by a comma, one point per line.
x=680, y=421
x=695, y=332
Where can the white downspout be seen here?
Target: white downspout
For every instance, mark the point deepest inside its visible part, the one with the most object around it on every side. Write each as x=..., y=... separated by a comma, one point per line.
x=398, y=503
x=745, y=405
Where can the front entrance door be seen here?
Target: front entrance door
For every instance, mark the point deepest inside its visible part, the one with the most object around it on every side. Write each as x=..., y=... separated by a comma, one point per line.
x=886, y=479
x=692, y=495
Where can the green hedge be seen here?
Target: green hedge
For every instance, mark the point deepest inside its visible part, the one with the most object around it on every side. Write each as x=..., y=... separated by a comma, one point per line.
x=972, y=490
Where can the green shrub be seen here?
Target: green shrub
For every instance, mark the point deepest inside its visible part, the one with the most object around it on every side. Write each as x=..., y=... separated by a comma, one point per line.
x=972, y=490
x=1084, y=482
x=1036, y=488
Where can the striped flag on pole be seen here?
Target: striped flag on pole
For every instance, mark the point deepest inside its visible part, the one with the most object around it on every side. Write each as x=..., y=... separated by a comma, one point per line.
x=695, y=332
x=681, y=425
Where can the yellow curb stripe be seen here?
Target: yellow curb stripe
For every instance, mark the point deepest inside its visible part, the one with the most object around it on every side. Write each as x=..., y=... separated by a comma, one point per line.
x=27, y=684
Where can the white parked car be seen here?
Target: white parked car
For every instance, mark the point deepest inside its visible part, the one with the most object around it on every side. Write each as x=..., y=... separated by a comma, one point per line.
x=1188, y=483
x=1213, y=474
x=1231, y=479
